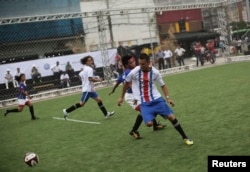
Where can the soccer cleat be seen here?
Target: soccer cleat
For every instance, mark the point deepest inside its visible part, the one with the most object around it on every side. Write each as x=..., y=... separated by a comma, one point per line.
x=6, y=112
x=35, y=118
x=65, y=116
x=110, y=114
x=135, y=134
x=188, y=141
x=159, y=127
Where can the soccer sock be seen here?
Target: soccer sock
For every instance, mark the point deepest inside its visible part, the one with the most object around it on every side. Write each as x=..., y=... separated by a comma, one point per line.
x=32, y=112
x=154, y=123
x=103, y=109
x=73, y=107
x=12, y=110
x=137, y=123
x=178, y=127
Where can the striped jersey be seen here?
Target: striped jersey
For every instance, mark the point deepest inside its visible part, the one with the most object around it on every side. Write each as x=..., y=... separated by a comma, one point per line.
x=144, y=84
x=22, y=87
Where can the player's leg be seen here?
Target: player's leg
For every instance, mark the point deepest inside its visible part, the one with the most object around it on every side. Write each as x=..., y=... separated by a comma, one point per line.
x=98, y=99
x=178, y=127
x=84, y=99
x=166, y=112
x=134, y=104
x=134, y=131
x=21, y=104
x=31, y=108
x=148, y=114
x=158, y=126
x=10, y=110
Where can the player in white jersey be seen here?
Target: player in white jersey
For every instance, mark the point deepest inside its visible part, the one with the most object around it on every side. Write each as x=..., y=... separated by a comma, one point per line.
x=88, y=89
x=143, y=78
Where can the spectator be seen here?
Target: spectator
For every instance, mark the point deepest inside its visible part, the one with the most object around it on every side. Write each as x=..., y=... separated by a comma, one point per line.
x=118, y=64
x=180, y=53
x=64, y=78
x=114, y=71
x=35, y=74
x=222, y=46
x=68, y=68
x=160, y=56
x=197, y=51
x=234, y=44
x=17, y=75
x=239, y=43
x=56, y=70
x=9, y=78
x=167, y=56
x=203, y=54
x=121, y=51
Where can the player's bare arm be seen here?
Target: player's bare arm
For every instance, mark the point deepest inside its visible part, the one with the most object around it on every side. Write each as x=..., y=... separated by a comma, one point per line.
x=95, y=79
x=166, y=94
x=114, y=88
x=124, y=88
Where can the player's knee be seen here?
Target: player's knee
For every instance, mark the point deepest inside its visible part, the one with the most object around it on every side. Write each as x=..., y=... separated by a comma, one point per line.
x=171, y=117
x=149, y=124
x=80, y=104
x=20, y=109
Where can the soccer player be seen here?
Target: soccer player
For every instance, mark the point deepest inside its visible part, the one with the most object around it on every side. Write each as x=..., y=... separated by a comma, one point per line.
x=88, y=90
x=23, y=98
x=143, y=78
x=129, y=63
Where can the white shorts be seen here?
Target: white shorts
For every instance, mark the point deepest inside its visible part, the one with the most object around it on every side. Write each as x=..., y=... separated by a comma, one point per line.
x=129, y=98
x=22, y=102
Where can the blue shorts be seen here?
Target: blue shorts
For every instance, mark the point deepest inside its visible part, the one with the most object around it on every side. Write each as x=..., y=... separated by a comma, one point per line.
x=156, y=107
x=87, y=95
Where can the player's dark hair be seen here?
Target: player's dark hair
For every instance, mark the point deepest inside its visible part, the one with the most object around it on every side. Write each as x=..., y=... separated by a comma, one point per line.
x=144, y=56
x=20, y=76
x=125, y=60
x=85, y=59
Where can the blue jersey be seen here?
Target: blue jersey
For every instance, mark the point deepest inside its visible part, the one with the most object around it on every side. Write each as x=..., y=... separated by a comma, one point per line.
x=21, y=88
x=122, y=78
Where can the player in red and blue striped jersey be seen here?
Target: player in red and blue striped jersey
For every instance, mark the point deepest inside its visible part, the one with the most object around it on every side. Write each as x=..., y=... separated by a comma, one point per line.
x=143, y=78
x=129, y=63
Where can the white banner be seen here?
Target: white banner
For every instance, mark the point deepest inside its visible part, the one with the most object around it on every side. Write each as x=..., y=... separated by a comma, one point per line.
x=44, y=65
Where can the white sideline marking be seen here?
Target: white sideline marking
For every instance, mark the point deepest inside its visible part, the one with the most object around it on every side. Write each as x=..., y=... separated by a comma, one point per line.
x=75, y=120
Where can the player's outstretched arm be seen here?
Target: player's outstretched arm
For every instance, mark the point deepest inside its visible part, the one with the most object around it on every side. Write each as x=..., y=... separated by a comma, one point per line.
x=124, y=88
x=114, y=88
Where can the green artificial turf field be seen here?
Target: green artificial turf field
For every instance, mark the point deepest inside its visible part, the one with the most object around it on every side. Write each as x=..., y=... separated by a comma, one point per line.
x=212, y=105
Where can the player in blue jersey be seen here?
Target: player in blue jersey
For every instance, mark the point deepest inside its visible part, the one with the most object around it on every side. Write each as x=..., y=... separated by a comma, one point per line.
x=129, y=63
x=142, y=80
x=88, y=89
x=23, y=98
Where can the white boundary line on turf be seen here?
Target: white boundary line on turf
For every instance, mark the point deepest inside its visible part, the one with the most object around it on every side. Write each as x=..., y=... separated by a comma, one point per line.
x=75, y=120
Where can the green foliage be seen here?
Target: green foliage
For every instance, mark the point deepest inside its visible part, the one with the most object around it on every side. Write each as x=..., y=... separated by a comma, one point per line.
x=240, y=25
x=212, y=106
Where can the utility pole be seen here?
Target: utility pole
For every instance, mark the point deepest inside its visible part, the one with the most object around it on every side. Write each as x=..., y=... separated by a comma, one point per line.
x=110, y=27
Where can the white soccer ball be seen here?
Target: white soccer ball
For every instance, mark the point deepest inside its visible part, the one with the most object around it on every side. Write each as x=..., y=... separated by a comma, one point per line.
x=31, y=159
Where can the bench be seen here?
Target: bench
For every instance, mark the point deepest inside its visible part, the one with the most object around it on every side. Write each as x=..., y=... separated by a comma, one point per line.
x=44, y=87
